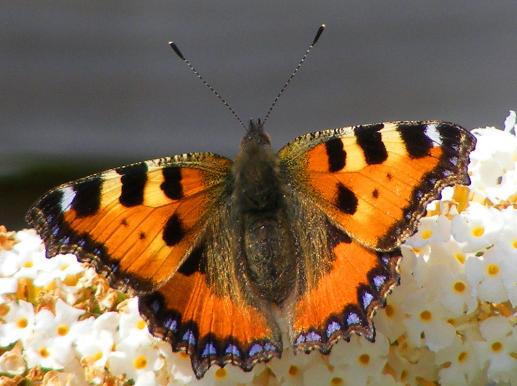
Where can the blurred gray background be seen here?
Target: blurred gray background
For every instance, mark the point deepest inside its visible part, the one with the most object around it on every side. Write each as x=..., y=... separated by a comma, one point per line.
x=89, y=85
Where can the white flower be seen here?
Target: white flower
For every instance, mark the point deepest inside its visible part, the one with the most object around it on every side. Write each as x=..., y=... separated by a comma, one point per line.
x=289, y=369
x=131, y=324
x=427, y=318
x=477, y=227
x=8, y=285
x=364, y=360
x=19, y=323
x=410, y=365
x=484, y=274
x=453, y=290
x=433, y=229
x=389, y=320
x=9, y=264
x=458, y=364
x=44, y=352
x=137, y=360
x=96, y=343
x=493, y=166
x=30, y=265
x=319, y=372
x=58, y=268
x=499, y=349
x=179, y=364
x=61, y=328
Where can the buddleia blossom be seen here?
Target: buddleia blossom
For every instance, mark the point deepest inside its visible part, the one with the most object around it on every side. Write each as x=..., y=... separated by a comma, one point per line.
x=451, y=321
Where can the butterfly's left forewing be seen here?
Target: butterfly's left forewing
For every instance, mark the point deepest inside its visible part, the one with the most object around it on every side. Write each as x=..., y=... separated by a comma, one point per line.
x=134, y=223
x=364, y=188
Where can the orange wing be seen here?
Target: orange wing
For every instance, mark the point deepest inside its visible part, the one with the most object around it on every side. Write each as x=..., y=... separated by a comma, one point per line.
x=163, y=229
x=211, y=324
x=374, y=181
x=136, y=223
x=344, y=299
x=357, y=194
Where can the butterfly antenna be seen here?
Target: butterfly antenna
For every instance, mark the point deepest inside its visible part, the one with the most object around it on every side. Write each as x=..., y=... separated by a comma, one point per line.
x=297, y=68
x=175, y=48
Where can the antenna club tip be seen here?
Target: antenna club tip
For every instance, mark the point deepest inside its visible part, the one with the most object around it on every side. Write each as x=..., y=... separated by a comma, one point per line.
x=176, y=50
x=318, y=34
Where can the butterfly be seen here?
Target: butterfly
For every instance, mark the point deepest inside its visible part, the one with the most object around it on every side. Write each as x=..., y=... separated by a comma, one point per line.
x=219, y=252
x=222, y=253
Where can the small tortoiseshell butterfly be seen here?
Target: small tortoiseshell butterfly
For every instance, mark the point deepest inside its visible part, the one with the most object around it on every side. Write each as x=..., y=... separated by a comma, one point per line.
x=219, y=251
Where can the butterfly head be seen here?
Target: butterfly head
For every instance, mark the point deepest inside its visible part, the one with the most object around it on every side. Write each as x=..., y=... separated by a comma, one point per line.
x=256, y=135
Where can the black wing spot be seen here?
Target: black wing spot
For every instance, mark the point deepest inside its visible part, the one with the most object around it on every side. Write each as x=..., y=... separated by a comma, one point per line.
x=389, y=176
x=171, y=185
x=370, y=140
x=173, y=232
x=336, y=154
x=193, y=263
x=375, y=193
x=415, y=139
x=87, y=199
x=346, y=199
x=133, y=181
x=141, y=235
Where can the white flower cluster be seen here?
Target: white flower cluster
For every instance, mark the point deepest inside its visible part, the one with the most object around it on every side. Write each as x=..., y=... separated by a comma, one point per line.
x=452, y=321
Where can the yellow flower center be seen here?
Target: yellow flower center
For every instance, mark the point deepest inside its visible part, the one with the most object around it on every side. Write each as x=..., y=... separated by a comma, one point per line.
x=426, y=316
x=4, y=309
x=426, y=234
x=459, y=286
x=293, y=371
x=43, y=352
x=514, y=244
x=496, y=346
x=62, y=329
x=462, y=356
x=140, y=362
x=71, y=280
x=492, y=269
x=63, y=266
x=389, y=310
x=27, y=264
x=98, y=355
x=336, y=381
x=364, y=359
x=460, y=257
x=140, y=324
x=22, y=323
x=478, y=231
x=220, y=373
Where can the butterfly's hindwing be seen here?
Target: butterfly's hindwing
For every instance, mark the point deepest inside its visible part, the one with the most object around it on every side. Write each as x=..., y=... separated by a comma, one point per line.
x=207, y=309
x=345, y=298
x=340, y=283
